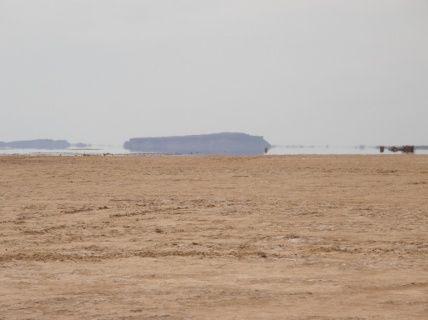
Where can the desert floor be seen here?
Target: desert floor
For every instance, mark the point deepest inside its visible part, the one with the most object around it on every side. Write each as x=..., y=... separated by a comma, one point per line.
x=273, y=237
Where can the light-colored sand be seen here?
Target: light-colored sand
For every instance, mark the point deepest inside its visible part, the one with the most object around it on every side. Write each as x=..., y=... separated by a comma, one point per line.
x=304, y=237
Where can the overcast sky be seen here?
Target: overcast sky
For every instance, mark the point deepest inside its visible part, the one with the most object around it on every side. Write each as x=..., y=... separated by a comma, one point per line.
x=295, y=71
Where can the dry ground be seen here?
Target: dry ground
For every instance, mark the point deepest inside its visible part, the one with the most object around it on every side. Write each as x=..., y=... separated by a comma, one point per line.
x=129, y=237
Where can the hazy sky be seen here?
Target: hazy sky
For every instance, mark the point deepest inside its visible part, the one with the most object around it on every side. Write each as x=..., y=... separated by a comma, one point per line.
x=294, y=71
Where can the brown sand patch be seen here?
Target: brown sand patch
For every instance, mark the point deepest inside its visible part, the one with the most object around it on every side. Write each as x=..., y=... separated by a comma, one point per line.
x=299, y=237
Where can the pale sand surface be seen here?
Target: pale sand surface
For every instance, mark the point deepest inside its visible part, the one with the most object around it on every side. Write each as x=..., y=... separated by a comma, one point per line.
x=127, y=237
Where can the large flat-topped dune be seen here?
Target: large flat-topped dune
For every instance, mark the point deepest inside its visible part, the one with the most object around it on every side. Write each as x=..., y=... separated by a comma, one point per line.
x=217, y=143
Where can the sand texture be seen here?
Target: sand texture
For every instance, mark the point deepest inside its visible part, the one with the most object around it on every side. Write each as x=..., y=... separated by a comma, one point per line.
x=131, y=237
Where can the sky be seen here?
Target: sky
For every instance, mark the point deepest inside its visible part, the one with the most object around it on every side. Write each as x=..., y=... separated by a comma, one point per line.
x=338, y=72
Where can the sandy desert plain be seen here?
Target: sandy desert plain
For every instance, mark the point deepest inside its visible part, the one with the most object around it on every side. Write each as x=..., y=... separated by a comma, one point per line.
x=271, y=237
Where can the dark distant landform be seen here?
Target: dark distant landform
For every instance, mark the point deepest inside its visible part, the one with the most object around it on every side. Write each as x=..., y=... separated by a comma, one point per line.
x=42, y=144
x=227, y=143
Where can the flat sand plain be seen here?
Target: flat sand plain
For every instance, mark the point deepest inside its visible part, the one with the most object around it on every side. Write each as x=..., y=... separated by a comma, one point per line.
x=273, y=237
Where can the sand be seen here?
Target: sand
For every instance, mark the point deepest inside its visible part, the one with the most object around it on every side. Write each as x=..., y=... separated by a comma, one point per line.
x=274, y=237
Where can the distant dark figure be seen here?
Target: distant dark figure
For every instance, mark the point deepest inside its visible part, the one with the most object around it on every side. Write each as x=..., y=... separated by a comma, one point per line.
x=404, y=149
x=408, y=149
x=382, y=149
